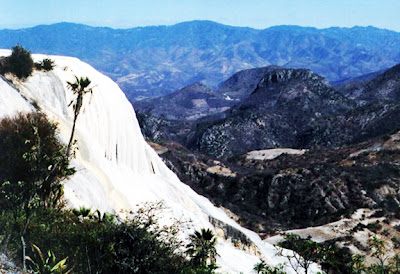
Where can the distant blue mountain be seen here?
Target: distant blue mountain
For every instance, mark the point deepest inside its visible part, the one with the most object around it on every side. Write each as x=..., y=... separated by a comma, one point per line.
x=151, y=61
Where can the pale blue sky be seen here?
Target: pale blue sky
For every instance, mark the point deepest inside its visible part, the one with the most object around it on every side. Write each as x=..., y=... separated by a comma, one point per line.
x=251, y=13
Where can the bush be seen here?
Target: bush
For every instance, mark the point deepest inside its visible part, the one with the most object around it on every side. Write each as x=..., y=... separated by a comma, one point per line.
x=32, y=157
x=95, y=246
x=32, y=165
x=46, y=64
x=331, y=258
x=263, y=268
x=20, y=62
x=135, y=245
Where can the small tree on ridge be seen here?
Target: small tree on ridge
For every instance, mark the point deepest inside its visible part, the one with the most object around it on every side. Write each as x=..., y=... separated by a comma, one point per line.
x=20, y=62
x=80, y=87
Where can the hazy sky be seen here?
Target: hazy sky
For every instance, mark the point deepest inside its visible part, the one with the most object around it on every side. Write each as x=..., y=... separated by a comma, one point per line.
x=252, y=13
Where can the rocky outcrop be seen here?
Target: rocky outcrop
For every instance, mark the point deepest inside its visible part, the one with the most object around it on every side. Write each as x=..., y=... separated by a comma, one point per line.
x=196, y=100
x=384, y=87
x=283, y=103
x=243, y=83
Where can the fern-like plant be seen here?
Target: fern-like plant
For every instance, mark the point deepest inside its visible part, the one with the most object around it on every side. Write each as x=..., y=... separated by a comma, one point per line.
x=48, y=264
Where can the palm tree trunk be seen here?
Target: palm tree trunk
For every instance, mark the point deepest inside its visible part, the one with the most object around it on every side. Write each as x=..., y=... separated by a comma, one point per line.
x=67, y=154
x=78, y=106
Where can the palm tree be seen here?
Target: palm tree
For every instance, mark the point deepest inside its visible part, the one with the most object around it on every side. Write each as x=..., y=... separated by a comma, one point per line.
x=202, y=247
x=80, y=87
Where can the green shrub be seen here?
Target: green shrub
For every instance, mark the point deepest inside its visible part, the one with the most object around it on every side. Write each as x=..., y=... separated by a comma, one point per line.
x=263, y=268
x=374, y=227
x=20, y=62
x=138, y=245
x=32, y=159
x=46, y=64
x=331, y=258
x=32, y=165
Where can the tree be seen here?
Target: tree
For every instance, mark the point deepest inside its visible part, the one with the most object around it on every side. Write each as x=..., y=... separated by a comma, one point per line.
x=202, y=247
x=29, y=149
x=305, y=252
x=20, y=62
x=80, y=87
x=379, y=252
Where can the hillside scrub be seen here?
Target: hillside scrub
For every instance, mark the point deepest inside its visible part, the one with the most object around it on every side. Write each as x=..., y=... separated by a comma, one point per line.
x=99, y=244
x=29, y=148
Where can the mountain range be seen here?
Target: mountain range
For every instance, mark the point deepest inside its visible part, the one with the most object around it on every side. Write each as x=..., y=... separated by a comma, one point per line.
x=153, y=61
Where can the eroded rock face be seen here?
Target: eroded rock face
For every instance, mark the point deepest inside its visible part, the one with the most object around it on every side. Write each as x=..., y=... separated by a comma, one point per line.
x=295, y=191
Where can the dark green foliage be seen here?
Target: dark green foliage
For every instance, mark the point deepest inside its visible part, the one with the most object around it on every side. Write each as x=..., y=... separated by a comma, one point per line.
x=331, y=258
x=202, y=248
x=20, y=62
x=32, y=165
x=82, y=211
x=335, y=260
x=396, y=242
x=308, y=252
x=47, y=263
x=3, y=65
x=374, y=227
x=382, y=263
x=206, y=269
x=29, y=149
x=263, y=268
x=93, y=246
x=46, y=64
x=136, y=250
